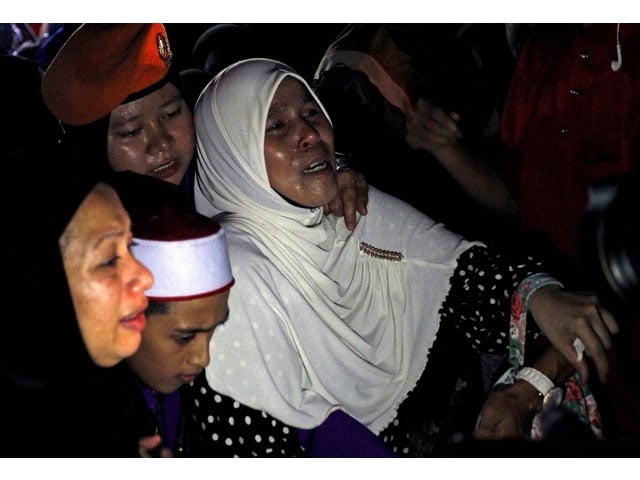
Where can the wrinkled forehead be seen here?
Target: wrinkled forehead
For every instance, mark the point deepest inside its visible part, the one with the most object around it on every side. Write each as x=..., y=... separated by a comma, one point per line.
x=246, y=89
x=290, y=89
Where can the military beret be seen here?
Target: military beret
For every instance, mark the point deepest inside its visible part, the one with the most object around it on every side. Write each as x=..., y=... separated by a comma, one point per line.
x=100, y=65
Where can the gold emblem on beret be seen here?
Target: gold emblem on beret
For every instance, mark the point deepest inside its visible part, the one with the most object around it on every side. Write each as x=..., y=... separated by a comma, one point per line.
x=164, y=50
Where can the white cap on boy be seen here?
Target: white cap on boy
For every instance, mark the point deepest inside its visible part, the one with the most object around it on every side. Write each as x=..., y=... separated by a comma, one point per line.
x=187, y=255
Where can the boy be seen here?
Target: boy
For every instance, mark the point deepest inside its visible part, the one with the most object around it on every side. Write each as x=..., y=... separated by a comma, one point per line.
x=187, y=255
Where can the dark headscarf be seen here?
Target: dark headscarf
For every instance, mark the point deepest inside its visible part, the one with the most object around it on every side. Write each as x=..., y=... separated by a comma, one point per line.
x=55, y=401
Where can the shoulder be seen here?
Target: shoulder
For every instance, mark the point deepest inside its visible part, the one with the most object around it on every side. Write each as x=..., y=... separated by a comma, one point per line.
x=393, y=224
x=385, y=209
x=251, y=264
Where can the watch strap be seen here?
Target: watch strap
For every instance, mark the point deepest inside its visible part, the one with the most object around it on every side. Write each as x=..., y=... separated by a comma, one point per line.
x=539, y=380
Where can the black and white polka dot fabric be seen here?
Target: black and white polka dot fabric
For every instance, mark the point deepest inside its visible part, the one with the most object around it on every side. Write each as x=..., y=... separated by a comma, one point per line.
x=476, y=311
x=225, y=428
x=479, y=300
x=444, y=404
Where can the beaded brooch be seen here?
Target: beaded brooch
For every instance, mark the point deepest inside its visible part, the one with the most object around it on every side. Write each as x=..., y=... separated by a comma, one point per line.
x=380, y=253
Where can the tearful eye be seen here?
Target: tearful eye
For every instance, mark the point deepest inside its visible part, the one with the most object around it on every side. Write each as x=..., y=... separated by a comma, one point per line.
x=275, y=127
x=130, y=133
x=312, y=112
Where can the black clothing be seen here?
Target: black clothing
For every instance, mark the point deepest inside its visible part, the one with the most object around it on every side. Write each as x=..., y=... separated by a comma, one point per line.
x=54, y=401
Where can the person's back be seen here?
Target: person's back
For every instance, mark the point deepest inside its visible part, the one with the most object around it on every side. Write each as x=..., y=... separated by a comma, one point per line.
x=570, y=120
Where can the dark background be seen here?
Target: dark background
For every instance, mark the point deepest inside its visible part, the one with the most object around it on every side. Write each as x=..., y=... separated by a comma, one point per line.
x=300, y=45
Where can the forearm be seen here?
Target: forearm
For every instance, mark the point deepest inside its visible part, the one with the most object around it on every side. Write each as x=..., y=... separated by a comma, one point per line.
x=478, y=179
x=513, y=404
x=431, y=129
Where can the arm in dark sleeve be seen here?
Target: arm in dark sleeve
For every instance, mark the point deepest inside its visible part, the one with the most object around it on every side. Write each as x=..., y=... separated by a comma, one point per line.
x=479, y=300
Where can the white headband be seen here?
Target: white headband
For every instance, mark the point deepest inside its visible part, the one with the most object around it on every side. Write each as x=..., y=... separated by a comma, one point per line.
x=185, y=269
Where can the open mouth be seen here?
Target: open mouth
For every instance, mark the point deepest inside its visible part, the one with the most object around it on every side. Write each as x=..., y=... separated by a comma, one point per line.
x=317, y=167
x=135, y=322
x=167, y=169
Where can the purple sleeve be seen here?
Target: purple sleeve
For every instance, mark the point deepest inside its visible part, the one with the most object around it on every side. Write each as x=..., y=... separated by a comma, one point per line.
x=342, y=436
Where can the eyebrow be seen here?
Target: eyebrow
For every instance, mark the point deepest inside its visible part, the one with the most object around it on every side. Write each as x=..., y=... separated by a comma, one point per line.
x=113, y=234
x=176, y=98
x=283, y=105
x=202, y=330
x=276, y=108
x=121, y=119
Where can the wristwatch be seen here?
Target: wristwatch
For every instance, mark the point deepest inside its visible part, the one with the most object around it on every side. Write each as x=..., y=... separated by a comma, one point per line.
x=551, y=394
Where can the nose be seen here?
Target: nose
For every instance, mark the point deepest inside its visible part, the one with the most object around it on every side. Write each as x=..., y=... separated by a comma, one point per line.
x=199, y=354
x=141, y=278
x=159, y=140
x=307, y=135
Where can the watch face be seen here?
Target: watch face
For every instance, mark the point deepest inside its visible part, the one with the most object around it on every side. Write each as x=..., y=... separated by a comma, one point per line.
x=553, y=398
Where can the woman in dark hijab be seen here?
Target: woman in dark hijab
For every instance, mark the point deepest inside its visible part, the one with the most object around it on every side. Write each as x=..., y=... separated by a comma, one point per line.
x=75, y=295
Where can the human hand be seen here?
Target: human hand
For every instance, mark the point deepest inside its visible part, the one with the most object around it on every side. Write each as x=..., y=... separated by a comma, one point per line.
x=432, y=129
x=566, y=316
x=507, y=413
x=353, y=197
x=147, y=444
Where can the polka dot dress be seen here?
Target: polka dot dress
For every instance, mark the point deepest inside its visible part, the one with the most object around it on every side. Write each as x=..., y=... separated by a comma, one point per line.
x=442, y=406
x=223, y=427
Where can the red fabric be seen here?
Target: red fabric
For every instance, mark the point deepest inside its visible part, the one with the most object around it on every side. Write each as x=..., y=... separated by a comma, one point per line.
x=101, y=65
x=37, y=28
x=570, y=121
x=552, y=168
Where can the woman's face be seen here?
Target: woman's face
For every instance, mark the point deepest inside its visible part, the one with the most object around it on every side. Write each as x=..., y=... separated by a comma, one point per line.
x=298, y=147
x=106, y=282
x=153, y=135
x=175, y=345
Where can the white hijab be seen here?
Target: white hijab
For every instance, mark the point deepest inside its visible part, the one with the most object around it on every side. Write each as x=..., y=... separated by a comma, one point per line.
x=320, y=318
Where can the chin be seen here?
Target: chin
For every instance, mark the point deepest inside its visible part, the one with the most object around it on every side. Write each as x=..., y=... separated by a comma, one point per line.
x=105, y=360
x=128, y=348
x=324, y=195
